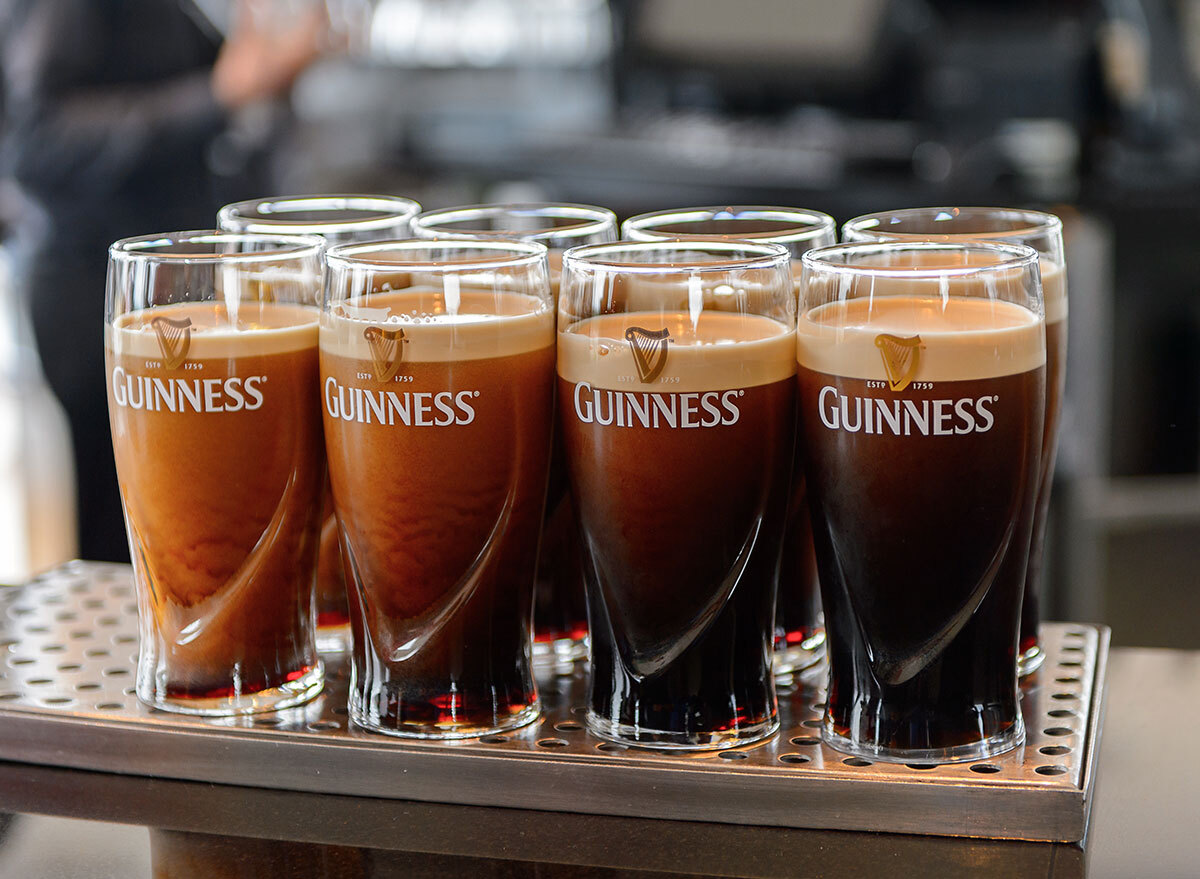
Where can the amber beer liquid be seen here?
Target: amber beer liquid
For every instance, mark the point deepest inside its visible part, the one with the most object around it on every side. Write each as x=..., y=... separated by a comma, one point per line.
x=680, y=468
x=437, y=424
x=922, y=494
x=217, y=436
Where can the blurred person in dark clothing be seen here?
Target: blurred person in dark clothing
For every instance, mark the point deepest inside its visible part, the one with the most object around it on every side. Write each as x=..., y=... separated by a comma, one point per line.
x=113, y=113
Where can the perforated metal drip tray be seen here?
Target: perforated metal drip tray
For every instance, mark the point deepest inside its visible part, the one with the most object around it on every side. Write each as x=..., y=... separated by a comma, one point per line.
x=68, y=655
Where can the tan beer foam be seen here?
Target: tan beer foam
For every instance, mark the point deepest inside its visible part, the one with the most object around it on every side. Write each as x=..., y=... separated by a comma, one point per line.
x=719, y=351
x=1054, y=289
x=963, y=338
x=261, y=328
x=481, y=324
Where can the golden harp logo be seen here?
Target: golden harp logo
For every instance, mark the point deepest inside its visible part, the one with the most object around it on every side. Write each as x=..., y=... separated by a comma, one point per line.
x=901, y=357
x=649, y=348
x=174, y=339
x=387, y=351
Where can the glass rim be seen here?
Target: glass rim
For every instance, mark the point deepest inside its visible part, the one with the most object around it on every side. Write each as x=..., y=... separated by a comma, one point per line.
x=519, y=254
x=145, y=248
x=827, y=259
x=1034, y=223
x=815, y=223
x=769, y=255
x=592, y=219
x=249, y=214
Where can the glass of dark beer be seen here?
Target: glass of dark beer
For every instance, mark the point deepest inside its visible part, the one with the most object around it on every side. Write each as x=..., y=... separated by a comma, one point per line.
x=339, y=219
x=799, y=621
x=676, y=382
x=559, y=612
x=437, y=386
x=213, y=398
x=921, y=394
x=1042, y=232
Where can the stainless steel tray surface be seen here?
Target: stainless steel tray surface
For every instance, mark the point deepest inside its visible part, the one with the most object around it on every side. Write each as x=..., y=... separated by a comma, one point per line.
x=68, y=656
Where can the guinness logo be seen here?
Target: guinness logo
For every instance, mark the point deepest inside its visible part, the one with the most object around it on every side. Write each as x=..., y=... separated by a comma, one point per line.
x=901, y=357
x=174, y=339
x=649, y=349
x=387, y=351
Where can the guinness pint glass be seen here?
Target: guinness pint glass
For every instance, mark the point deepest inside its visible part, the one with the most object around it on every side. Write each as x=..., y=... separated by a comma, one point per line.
x=559, y=612
x=1042, y=232
x=676, y=382
x=799, y=623
x=921, y=397
x=339, y=219
x=438, y=402
x=214, y=400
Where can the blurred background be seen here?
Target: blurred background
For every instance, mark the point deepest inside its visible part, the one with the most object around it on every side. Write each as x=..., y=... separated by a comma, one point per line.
x=126, y=117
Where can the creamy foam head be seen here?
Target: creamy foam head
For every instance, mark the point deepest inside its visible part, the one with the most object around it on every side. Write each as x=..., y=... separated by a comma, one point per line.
x=718, y=351
x=216, y=331
x=440, y=324
x=961, y=338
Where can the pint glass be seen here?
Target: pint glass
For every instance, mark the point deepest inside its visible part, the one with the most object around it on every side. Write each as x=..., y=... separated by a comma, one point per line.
x=213, y=398
x=1042, y=232
x=921, y=398
x=339, y=219
x=559, y=612
x=437, y=384
x=676, y=381
x=799, y=623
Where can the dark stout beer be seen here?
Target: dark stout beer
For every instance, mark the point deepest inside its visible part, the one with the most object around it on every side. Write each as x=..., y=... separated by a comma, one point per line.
x=679, y=434
x=437, y=421
x=1054, y=283
x=921, y=431
x=217, y=436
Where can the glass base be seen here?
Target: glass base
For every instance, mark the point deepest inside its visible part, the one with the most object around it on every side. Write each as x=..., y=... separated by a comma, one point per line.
x=559, y=655
x=334, y=639
x=981, y=750
x=1031, y=660
x=667, y=740
x=302, y=689
x=443, y=731
x=805, y=655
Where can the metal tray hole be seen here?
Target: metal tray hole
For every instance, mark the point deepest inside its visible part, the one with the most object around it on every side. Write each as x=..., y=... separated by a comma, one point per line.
x=794, y=758
x=1076, y=633
x=108, y=621
x=1063, y=697
x=322, y=725
x=129, y=691
x=39, y=682
x=131, y=608
x=87, y=685
x=611, y=747
x=818, y=706
x=1058, y=731
x=20, y=660
x=1072, y=648
x=922, y=766
x=552, y=743
x=96, y=652
x=54, y=648
x=37, y=630
x=70, y=666
x=120, y=590
x=58, y=700
x=66, y=616
x=93, y=603
x=732, y=755
x=1071, y=663
x=805, y=740
x=568, y=726
x=493, y=740
x=1052, y=770
x=341, y=710
x=80, y=588
x=579, y=710
x=856, y=761
x=115, y=672
x=1063, y=712
x=1067, y=680
x=80, y=635
x=1055, y=750
x=268, y=721
x=812, y=724
x=21, y=611
x=8, y=697
x=111, y=706
x=985, y=768
x=125, y=639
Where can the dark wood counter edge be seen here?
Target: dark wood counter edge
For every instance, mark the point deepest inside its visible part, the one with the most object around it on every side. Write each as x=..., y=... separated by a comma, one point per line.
x=515, y=834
